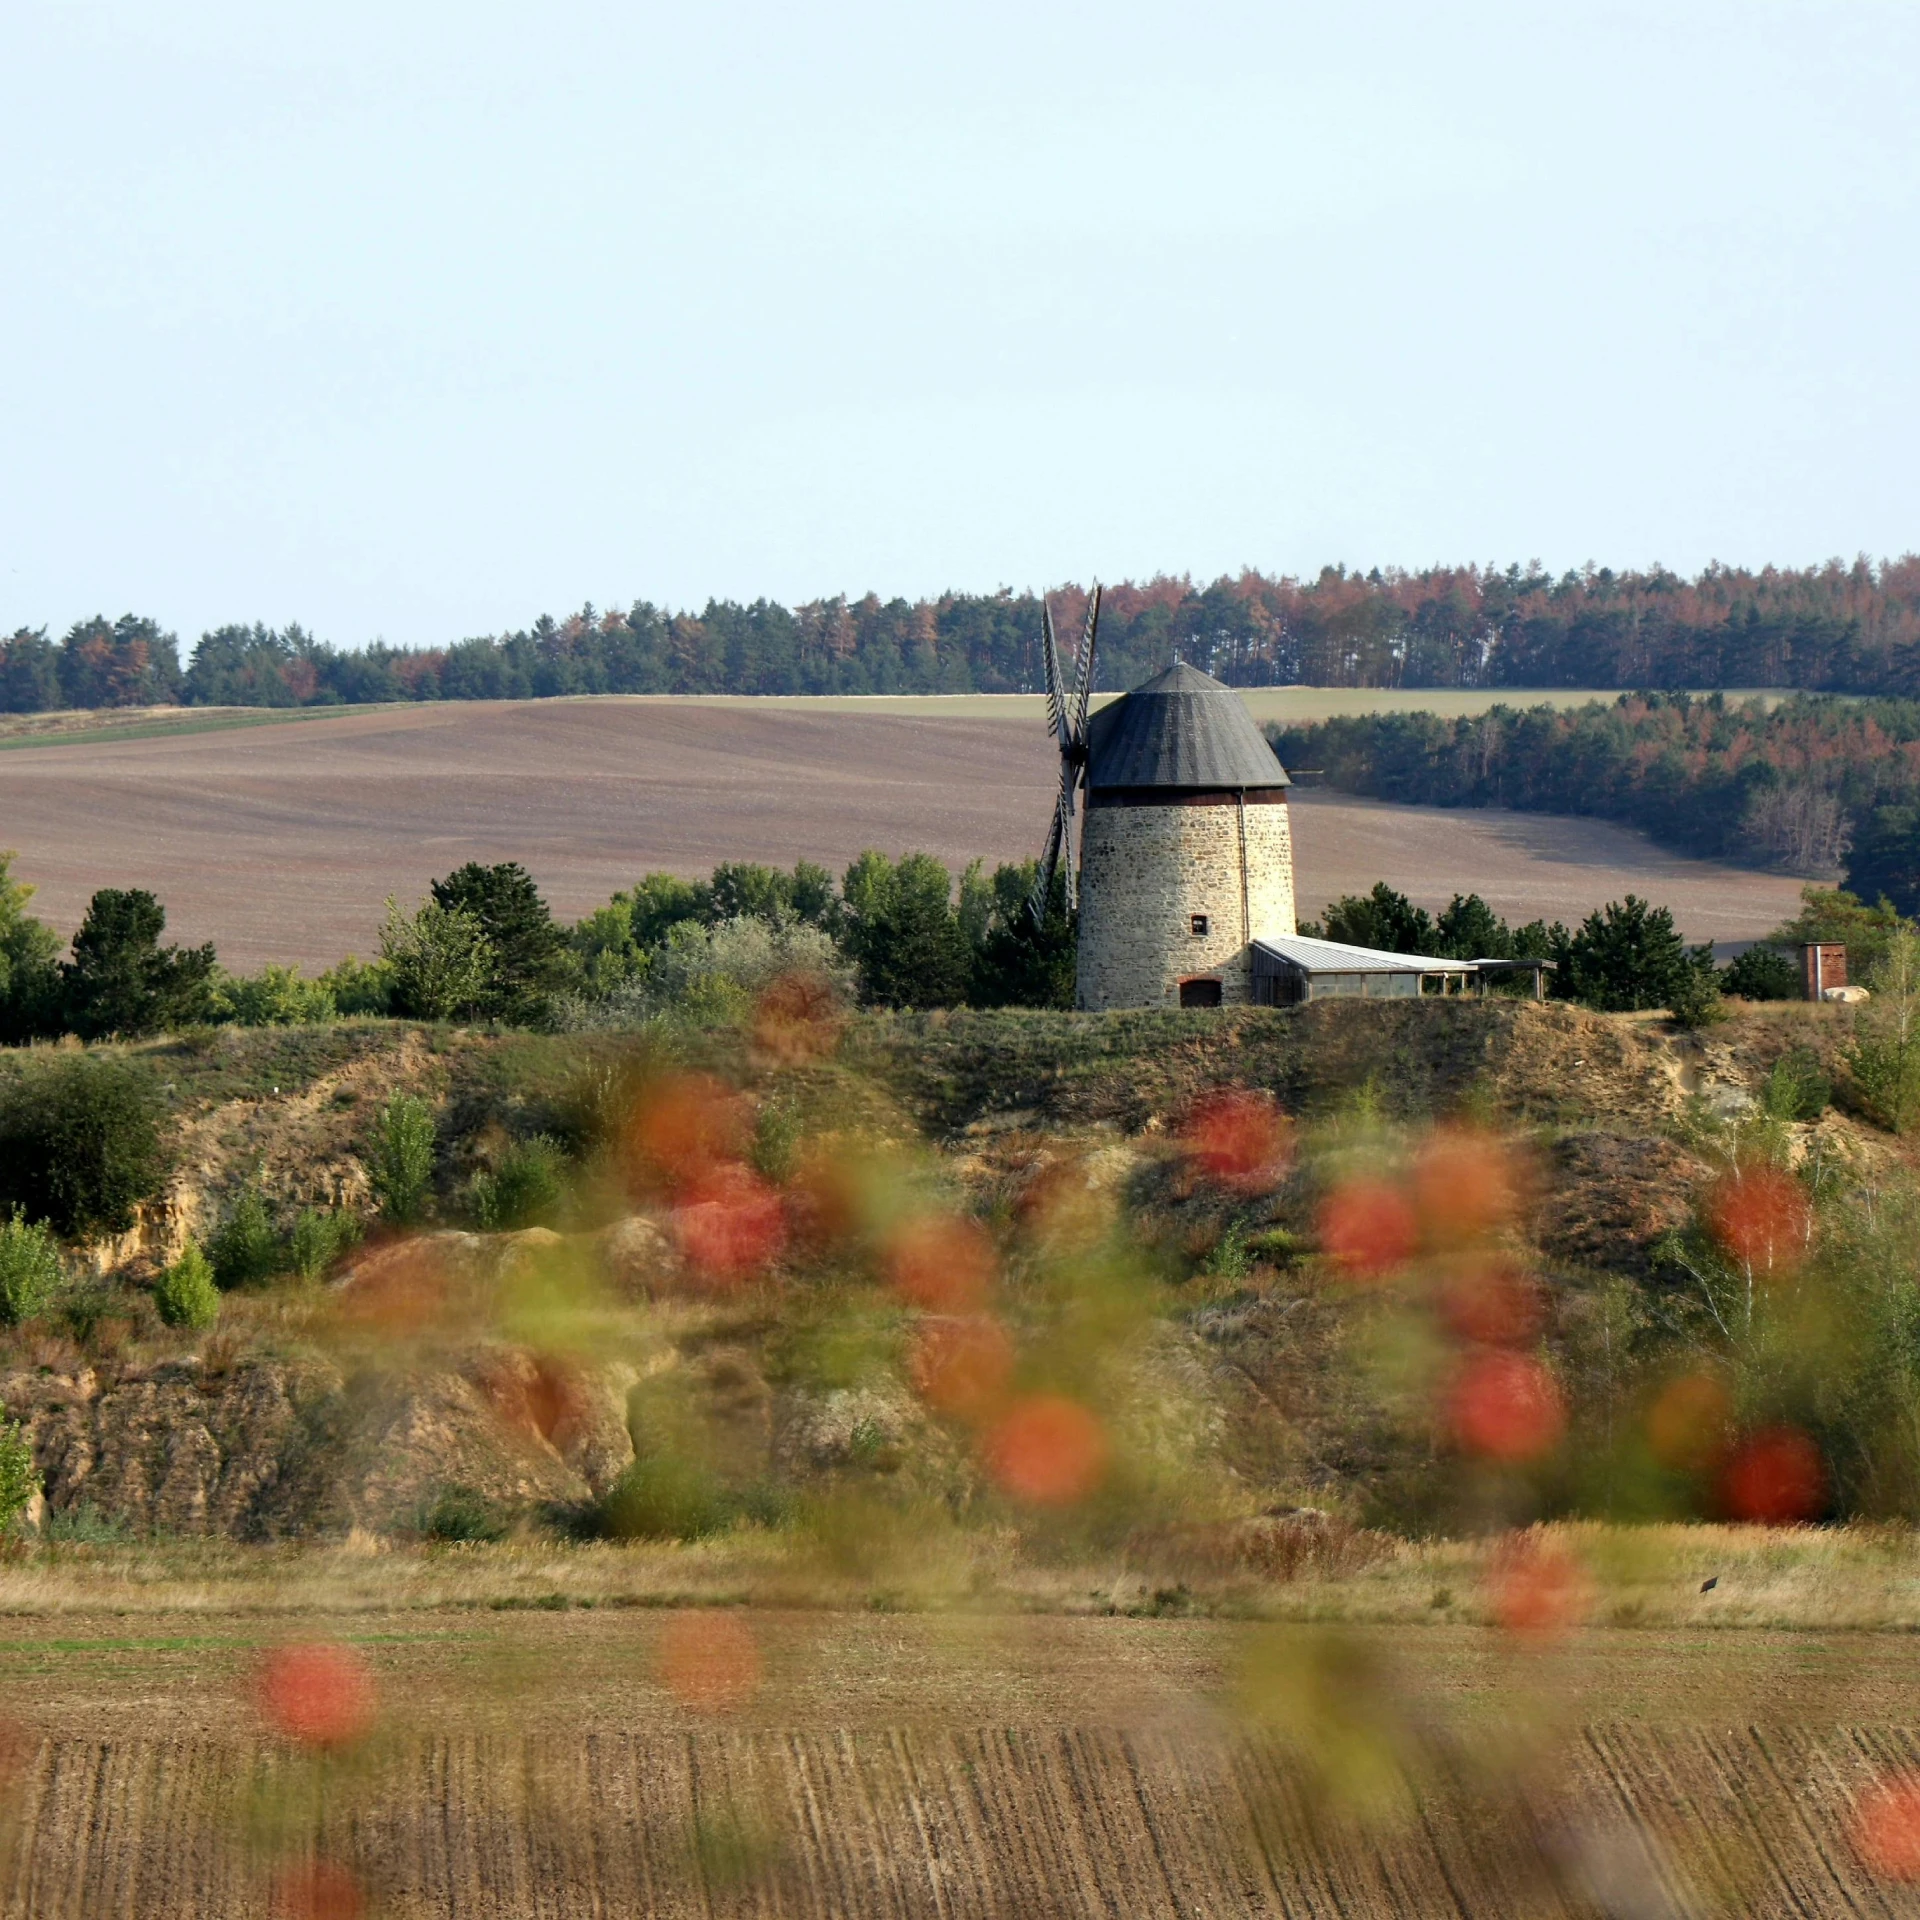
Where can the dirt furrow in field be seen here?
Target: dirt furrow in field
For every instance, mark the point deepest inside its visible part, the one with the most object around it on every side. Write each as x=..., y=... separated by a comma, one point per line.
x=945, y=1824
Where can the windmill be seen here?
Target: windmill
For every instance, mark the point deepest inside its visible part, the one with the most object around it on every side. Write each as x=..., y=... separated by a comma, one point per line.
x=1067, y=718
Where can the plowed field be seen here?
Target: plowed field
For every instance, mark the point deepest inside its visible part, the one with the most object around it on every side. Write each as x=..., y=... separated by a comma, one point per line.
x=279, y=842
x=529, y=1766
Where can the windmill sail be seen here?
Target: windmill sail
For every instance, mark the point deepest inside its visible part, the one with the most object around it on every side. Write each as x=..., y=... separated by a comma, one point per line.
x=1067, y=721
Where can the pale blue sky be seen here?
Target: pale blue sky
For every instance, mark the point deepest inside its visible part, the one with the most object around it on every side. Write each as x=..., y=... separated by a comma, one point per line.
x=416, y=320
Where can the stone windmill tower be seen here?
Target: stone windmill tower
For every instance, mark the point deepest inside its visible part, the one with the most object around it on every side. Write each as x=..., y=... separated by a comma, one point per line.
x=1186, y=852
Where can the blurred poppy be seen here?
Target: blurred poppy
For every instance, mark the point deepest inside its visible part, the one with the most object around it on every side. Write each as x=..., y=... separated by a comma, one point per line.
x=1492, y=1304
x=1506, y=1406
x=709, y=1662
x=962, y=1366
x=1760, y=1217
x=1688, y=1425
x=1886, y=1827
x=729, y=1224
x=318, y=1890
x=941, y=1262
x=1048, y=1451
x=798, y=1017
x=320, y=1695
x=1463, y=1184
x=685, y=1125
x=1239, y=1139
x=1538, y=1589
x=1775, y=1477
x=1367, y=1226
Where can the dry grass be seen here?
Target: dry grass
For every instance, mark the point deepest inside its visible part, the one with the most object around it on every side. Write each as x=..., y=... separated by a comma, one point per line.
x=1852, y=1579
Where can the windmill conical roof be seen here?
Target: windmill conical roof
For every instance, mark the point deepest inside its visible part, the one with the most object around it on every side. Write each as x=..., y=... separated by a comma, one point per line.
x=1182, y=728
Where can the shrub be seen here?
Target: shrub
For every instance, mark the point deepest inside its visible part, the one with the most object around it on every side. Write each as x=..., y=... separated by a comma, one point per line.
x=1762, y=973
x=185, y=1295
x=528, y=957
x=19, y=1477
x=80, y=1144
x=245, y=1247
x=400, y=1159
x=527, y=1189
x=904, y=932
x=275, y=997
x=320, y=1236
x=1798, y=1088
x=459, y=1514
x=359, y=986
x=29, y=1270
x=664, y=1497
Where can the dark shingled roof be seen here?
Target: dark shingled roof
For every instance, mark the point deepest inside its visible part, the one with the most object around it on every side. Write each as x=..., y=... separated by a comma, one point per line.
x=1181, y=729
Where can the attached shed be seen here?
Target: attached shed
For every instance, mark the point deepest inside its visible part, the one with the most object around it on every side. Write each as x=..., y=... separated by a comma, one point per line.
x=1290, y=969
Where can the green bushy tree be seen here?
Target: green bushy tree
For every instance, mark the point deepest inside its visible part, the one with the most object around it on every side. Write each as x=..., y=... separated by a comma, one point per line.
x=246, y=1247
x=1019, y=964
x=528, y=1188
x=1884, y=1059
x=122, y=981
x=81, y=1144
x=904, y=933
x=439, y=961
x=1384, y=920
x=29, y=964
x=30, y=1270
x=185, y=1294
x=1627, y=957
x=320, y=1236
x=399, y=1158
x=527, y=956
x=1763, y=972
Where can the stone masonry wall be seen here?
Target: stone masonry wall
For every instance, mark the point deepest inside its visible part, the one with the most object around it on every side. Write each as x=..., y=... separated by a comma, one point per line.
x=1145, y=871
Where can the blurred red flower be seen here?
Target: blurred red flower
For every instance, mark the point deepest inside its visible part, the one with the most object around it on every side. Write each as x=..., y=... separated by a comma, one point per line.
x=1048, y=1451
x=1886, y=1827
x=1464, y=1185
x=1775, y=1477
x=684, y=1126
x=1760, y=1217
x=962, y=1366
x=941, y=1262
x=1239, y=1139
x=1368, y=1226
x=318, y=1890
x=709, y=1662
x=1492, y=1304
x=1506, y=1406
x=1538, y=1590
x=320, y=1695
x=729, y=1223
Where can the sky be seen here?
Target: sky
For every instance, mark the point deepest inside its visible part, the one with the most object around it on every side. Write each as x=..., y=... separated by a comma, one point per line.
x=413, y=321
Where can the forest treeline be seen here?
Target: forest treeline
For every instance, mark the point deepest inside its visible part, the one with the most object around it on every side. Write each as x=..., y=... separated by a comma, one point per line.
x=1838, y=627
x=1814, y=786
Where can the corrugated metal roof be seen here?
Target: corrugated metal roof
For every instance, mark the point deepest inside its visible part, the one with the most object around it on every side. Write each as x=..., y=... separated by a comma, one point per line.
x=1335, y=956
x=1181, y=729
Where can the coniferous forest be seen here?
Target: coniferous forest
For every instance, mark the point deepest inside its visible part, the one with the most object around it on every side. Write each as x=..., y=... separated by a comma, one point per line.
x=1833, y=628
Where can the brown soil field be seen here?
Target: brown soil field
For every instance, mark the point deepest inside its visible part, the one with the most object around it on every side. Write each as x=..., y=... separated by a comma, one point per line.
x=279, y=842
x=530, y=1765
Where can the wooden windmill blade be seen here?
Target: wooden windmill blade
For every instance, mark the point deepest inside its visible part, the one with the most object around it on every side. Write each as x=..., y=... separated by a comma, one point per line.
x=1043, y=880
x=1056, y=680
x=1083, y=673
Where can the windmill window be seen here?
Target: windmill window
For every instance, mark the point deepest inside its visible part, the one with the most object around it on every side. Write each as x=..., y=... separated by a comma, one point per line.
x=1199, y=925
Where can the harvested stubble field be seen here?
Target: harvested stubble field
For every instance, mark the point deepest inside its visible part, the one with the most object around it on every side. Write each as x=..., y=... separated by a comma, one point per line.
x=278, y=842
x=909, y=1766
